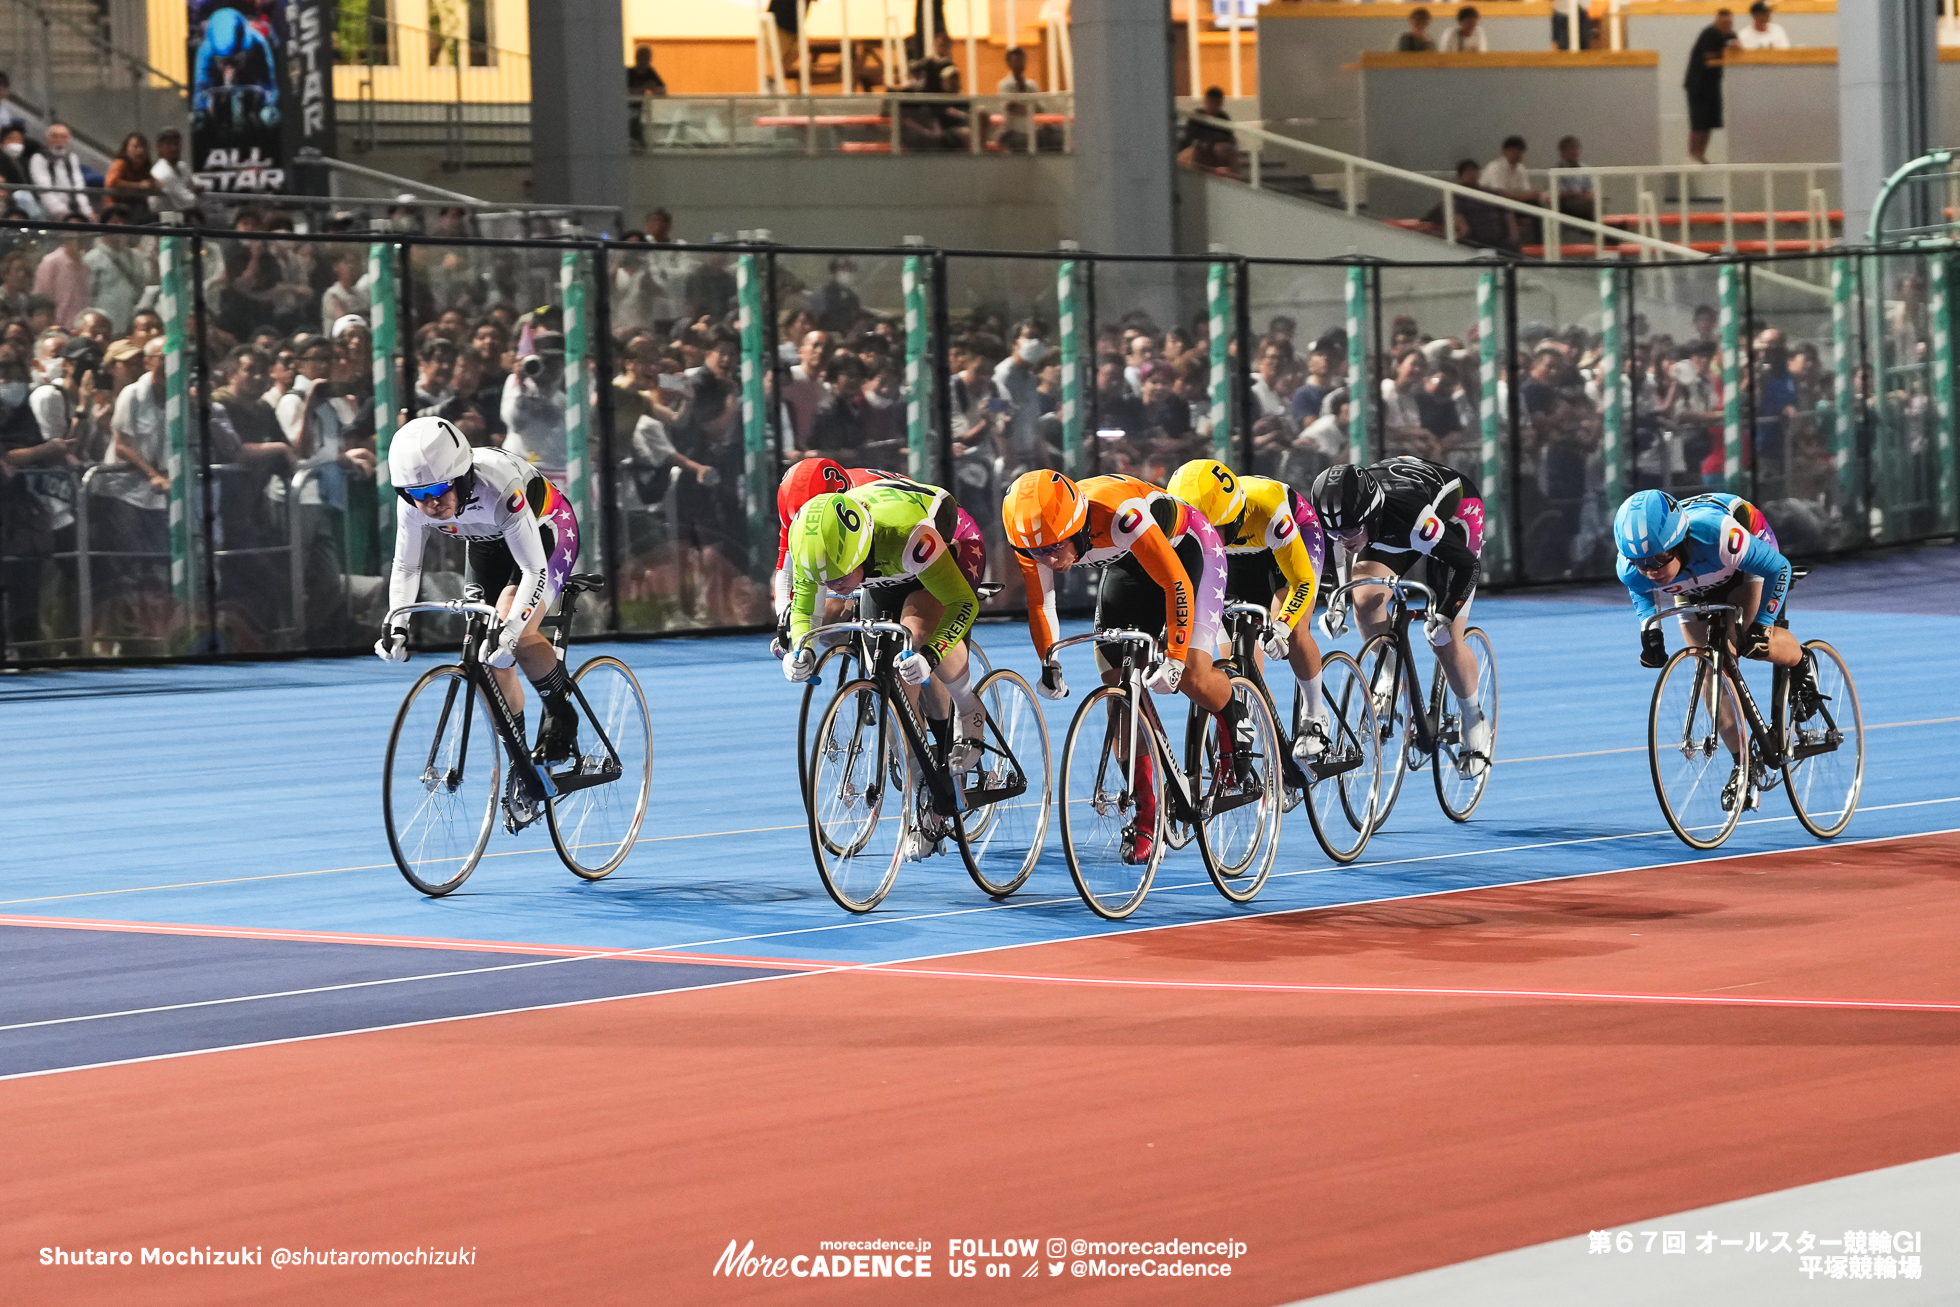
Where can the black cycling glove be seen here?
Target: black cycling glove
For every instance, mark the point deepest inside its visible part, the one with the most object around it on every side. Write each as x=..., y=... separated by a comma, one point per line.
x=1755, y=642
x=1653, y=649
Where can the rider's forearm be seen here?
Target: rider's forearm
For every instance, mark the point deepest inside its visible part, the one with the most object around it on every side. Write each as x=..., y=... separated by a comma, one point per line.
x=959, y=607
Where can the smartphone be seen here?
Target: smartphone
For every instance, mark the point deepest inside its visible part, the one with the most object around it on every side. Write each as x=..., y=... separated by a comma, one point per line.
x=673, y=381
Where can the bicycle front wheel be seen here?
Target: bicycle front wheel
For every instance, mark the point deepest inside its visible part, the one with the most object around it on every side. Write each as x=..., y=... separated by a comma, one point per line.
x=1005, y=799
x=1825, y=769
x=836, y=662
x=1382, y=670
x=439, y=784
x=1238, y=787
x=860, y=797
x=593, y=828
x=1695, y=734
x=1463, y=776
x=1100, y=792
x=1346, y=780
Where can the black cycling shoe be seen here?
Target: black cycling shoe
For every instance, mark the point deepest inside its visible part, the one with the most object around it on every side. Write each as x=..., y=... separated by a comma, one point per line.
x=1750, y=797
x=557, y=735
x=520, y=809
x=1808, y=698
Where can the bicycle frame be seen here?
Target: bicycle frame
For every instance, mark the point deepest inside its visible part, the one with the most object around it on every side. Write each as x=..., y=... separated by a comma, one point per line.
x=1177, y=789
x=1400, y=616
x=1776, y=751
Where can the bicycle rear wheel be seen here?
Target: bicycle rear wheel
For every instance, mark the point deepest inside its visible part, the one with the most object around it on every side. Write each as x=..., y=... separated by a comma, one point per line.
x=1001, y=839
x=860, y=797
x=1239, y=798
x=1341, y=801
x=1824, y=785
x=439, y=784
x=594, y=828
x=835, y=660
x=1694, y=767
x=1382, y=670
x=1099, y=805
x=1461, y=777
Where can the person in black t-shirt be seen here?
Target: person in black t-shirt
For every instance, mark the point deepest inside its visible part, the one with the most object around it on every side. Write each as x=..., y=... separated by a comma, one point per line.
x=1703, y=82
x=1209, y=148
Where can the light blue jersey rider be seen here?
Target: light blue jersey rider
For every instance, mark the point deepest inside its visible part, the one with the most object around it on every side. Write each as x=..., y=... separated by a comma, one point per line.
x=1719, y=540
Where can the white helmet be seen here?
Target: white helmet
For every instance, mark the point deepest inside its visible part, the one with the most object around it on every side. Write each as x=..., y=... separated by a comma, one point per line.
x=427, y=452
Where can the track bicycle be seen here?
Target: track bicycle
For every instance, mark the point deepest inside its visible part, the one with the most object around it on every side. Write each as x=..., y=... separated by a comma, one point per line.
x=1703, y=721
x=1343, y=782
x=439, y=802
x=879, y=785
x=1411, y=735
x=839, y=659
x=1226, y=798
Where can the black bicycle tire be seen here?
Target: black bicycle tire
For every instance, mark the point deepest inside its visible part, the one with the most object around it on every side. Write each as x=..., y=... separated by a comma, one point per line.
x=959, y=818
x=1367, y=828
x=1149, y=739
x=646, y=798
x=1858, y=784
x=1438, y=687
x=904, y=799
x=810, y=687
x=1400, y=702
x=438, y=889
x=1653, y=748
x=1268, y=845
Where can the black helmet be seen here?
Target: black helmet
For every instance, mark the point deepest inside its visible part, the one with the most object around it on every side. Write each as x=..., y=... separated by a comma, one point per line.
x=1346, y=496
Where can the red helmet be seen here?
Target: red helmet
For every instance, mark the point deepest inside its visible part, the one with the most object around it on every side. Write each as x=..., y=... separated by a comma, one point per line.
x=805, y=480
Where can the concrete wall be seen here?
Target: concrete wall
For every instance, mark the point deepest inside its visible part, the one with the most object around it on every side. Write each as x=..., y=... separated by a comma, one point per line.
x=1781, y=113
x=1672, y=34
x=989, y=202
x=1264, y=224
x=1303, y=48
x=1425, y=119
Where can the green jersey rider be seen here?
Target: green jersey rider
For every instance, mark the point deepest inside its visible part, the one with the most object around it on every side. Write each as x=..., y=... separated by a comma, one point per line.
x=891, y=539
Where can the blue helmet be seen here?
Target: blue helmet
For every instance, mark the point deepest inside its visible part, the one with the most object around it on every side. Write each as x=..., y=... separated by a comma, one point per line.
x=226, y=34
x=1650, y=522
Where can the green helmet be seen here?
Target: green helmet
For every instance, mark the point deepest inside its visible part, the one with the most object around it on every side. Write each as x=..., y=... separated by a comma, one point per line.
x=831, y=537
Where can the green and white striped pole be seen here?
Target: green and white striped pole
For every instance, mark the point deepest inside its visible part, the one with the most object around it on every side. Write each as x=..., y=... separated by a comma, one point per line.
x=1068, y=311
x=1359, y=405
x=1497, y=563
x=918, y=371
x=1731, y=325
x=578, y=402
x=1612, y=390
x=382, y=348
x=1940, y=302
x=757, y=500
x=1844, y=429
x=174, y=306
x=1218, y=298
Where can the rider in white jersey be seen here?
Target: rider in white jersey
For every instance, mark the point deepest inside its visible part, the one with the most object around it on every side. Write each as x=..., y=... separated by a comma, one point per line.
x=521, y=539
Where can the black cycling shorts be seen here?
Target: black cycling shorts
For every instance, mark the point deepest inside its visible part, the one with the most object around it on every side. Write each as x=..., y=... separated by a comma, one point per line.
x=1253, y=578
x=1129, y=599
x=489, y=569
x=885, y=601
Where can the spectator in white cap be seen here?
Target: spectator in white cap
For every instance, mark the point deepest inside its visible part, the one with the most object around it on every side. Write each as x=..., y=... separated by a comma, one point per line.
x=349, y=294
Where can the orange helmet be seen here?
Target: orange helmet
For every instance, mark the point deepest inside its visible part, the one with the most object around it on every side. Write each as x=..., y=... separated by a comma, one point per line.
x=805, y=480
x=1042, y=508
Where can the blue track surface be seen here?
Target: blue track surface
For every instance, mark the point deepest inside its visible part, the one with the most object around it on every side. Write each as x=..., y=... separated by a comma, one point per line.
x=248, y=796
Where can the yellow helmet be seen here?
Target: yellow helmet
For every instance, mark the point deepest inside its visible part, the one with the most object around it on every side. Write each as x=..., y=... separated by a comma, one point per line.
x=1210, y=487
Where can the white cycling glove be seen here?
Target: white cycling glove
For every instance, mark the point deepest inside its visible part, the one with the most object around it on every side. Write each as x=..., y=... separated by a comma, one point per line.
x=1051, y=685
x=392, y=647
x=500, y=650
x=913, y=668
x=1439, y=632
x=799, y=666
x=1276, y=641
x=1165, y=679
x=1334, y=622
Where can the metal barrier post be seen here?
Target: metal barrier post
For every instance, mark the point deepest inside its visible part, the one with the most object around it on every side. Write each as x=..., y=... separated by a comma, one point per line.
x=1612, y=389
x=918, y=371
x=381, y=346
x=1218, y=302
x=1844, y=427
x=1490, y=376
x=1359, y=406
x=1731, y=327
x=757, y=502
x=1940, y=310
x=1069, y=315
x=578, y=397
x=174, y=306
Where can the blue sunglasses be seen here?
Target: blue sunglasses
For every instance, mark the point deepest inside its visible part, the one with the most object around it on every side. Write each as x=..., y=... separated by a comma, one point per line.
x=434, y=490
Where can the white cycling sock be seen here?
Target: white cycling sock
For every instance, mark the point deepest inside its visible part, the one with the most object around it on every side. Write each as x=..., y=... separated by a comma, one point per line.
x=1314, y=708
x=1472, y=714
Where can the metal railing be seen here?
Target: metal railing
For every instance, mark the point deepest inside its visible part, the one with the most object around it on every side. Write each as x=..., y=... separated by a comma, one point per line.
x=113, y=70
x=1653, y=211
x=899, y=122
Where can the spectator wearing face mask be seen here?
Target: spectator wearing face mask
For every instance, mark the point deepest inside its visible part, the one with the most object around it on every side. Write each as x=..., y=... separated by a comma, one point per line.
x=835, y=305
x=1017, y=379
x=58, y=180
x=14, y=154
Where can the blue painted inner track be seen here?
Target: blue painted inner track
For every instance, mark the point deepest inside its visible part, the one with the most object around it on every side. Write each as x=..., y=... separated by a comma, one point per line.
x=249, y=796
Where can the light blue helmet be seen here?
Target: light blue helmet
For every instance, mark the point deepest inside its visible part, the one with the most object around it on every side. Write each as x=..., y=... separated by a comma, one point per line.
x=1650, y=522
